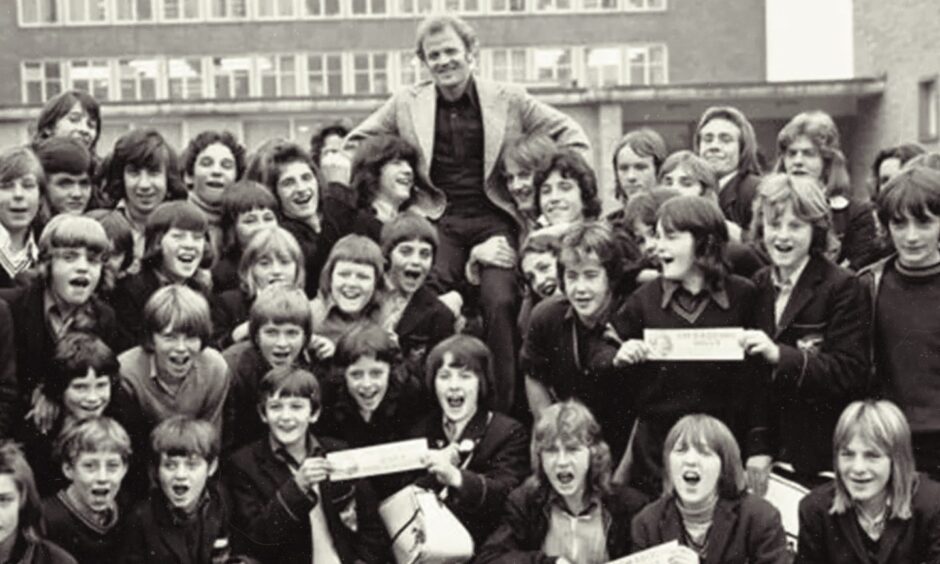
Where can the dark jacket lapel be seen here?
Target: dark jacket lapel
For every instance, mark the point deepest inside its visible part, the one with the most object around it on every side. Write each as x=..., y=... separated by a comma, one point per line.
x=724, y=521
x=802, y=293
x=894, y=529
x=670, y=523
x=411, y=317
x=850, y=531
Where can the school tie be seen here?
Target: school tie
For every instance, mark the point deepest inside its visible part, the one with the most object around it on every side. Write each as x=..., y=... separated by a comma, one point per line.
x=450, y=430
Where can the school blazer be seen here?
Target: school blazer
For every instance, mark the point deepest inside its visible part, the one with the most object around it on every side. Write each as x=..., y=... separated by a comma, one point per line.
x=425, y=322
x=736, y=197
x=823, y=337
x=229, y=309
x=836, y=539
x=744, y=530
x=9, y=391
x=272, y=513
x=508, y=112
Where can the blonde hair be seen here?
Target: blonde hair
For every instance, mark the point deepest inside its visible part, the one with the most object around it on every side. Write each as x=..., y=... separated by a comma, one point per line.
x=820, y=129
x=700, y=430
x=808, y=201
x=277, y=242
x=571, y=422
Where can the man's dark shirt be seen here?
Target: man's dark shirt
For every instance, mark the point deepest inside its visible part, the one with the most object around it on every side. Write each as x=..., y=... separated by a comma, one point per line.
x=457, y=163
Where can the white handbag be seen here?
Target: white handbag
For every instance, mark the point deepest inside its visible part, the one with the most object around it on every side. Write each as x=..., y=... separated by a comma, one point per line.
x=423, y=529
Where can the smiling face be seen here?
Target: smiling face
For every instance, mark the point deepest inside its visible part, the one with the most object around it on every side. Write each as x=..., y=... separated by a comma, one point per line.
x=917, y=241
x=76, y=124
x=787, y=238
x=74, y=275
x=182, y=252
x=250, y=222
x=587, y=286
x=144, y=189
x=367, y=382
x=675, y=251
x=288, y=418
x=281, y=343
x=272, y=268
x=694, y=470
x=68, y=193
x=521, y=186
x=803, y=158
x=297, y=190
x=213, y=172
x=352, y=285
x=560, y=199
x=645, y=236
x=680, y=179
x=720, y=145
x=541, y=273
x=634, y=173
x=183, y=479
x=11, y=500
x=96, y=478
x=567, y=465
x=175, y=353
x=19, y=202
x=88, y=395
x=396, y=181
x=409, y=265
x=457, y=390
x=447, y=59
x=865, y=470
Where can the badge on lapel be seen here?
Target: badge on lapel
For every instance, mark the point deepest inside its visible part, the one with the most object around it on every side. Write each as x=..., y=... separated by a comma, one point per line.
x=810, y=343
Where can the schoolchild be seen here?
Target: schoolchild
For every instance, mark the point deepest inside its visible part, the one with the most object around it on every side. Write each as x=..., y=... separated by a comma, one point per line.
x=272, y=259
x=813, y=324
x=67, y=166
x=889, y=162
x=706, y=507
x=878, y=508
x=568, y=333
x=73, y=114
x=566, y=192
x=567, y=511
x=85, y=518
x=520, y=160
x=187, y=517
x=478, y=455
x=695, y=291
x=287, y=510
x=177, y=251
x=22, y=532
x=141, y=173
x=905, y=293
x=84, y=376
x=538, y=261
x=287, y=170
x=21, y=179
x=638, y=157
x=409, y=307
x=279, y=328
x=247, y=207
x=61, y=298
x=212, y=162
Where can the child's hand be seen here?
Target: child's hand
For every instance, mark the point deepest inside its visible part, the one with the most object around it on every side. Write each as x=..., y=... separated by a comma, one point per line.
x=311, y=472
x=683, y=555
x=336, y=167
x=322, y=347
x=240, y=333
x=633, y=351
x=756, y=342
x=442, y=463
x=495, y=251
x=43, y=413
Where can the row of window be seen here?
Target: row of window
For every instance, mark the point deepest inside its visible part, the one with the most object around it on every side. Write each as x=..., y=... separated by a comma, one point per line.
x=330, y=74
x=97, y=12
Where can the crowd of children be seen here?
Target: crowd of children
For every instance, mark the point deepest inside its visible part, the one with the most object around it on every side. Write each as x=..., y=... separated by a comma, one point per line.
x=184, y=337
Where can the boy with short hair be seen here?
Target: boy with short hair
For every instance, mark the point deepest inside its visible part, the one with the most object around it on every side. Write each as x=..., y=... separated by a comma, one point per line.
x=538, y=260
x=286, y=508
x=186, y=519
x=85, y=518
x=68, y=168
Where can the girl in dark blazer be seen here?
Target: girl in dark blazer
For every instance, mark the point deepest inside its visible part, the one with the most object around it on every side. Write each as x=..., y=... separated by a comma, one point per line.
x=877, y=510
x=247, y=207
x=570, y=487
x=813, y=320
x=478, y=456
x=705, y=507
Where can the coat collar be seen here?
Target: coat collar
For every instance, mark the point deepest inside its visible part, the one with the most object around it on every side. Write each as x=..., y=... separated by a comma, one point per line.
x=474, y=431
x=894, y=530
x=803, y=292
x=724, y=521
x=422, y=300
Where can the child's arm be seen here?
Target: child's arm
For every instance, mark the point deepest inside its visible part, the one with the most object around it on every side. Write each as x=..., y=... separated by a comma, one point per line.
x=372, y=540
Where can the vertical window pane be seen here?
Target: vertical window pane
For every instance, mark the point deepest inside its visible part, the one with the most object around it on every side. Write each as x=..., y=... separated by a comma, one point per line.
x=144, y=10
x=359, y=6
x=313, y=7
x=331, y=7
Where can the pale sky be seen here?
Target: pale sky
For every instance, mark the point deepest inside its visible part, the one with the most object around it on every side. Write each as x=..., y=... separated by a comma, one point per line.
x=809, y=39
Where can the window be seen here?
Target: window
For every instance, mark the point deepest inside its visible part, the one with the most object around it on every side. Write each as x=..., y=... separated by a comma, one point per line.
x=503, y=6
x=184, y=78
x=509, y=65
x=321, y=8
x=552, y=5
x=86, y=11
x=91, y=76
x=928, y=114
x=647, y=64
x=462, y=6
x=413, y=70
x=278, y=75
x=41, y=80
x=139, y=78
x=324, y=74
x=602, y=65
x=275, y=8
x=232, y=77
x=176, y=10
x=370, y=73
x=415, y=7
x=600, y=5
x=229, y=9
x=635, y=5
x=134, y=10
x=552, y=65
x=42, y=12
x=368, y=7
